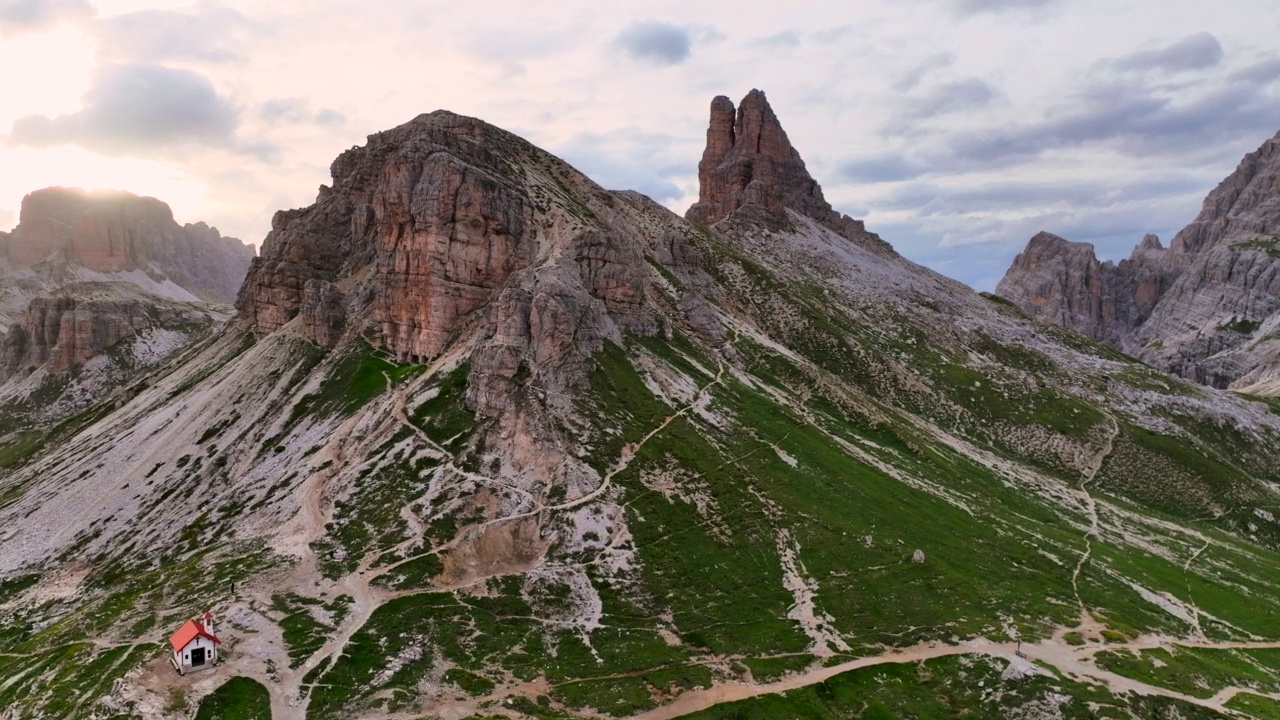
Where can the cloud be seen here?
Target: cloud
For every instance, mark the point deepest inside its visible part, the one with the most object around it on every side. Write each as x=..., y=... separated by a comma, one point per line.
x=945, y=241
x=1132, y=117
x=511, y=48
x=207, y=33
x=880, y=168
x=656, y=42
x=934, y=199
x=1259, y=73
x=977, y=7
x=951, y=97
x=912, y=77
x=1195, y=52
x=329, y=116
x=632, y=159
x=784, y=39
x=1149, y=125
x=296, y=110
x=142, y=110
x=22, y=16
x=955, y=185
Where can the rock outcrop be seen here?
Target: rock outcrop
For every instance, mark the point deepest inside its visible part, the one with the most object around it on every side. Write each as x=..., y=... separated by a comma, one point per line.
x=425, y=212
x=1244, y=205
x=749, y=163
x=117, y=232
x=1063, y=282
x=323, y=313
x=447, y=223
x=69, y=328
x=1206, y=308
x=61, y=332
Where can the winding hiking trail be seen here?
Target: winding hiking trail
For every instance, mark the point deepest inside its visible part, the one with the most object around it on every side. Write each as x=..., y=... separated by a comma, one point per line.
x=1073, y=661
x=625, y=458
x=1090, y=472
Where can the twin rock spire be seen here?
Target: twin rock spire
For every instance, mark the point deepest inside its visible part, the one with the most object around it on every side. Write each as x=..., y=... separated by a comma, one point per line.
x=749, y=163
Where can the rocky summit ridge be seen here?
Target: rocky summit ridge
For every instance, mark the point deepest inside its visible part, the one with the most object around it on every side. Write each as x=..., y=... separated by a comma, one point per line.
x=485, y=439
x=1206, y=308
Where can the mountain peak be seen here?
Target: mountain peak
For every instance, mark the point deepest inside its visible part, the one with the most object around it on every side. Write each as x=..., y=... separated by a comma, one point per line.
x=1243, y=206
x=1048, y=241
x=1150, y=242
x=749, y=162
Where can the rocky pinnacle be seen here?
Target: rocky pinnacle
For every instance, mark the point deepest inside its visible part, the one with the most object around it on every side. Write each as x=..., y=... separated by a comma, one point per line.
x=749, y=163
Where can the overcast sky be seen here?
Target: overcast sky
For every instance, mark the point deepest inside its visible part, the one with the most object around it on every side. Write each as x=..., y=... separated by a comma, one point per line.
x=956, y=128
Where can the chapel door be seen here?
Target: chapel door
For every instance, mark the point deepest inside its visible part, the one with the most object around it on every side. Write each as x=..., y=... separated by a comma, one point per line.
x=197, y=657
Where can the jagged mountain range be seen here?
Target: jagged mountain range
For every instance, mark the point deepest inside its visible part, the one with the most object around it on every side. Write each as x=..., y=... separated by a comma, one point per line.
x=96, y=289
x=1205, y=308
x=485, y=439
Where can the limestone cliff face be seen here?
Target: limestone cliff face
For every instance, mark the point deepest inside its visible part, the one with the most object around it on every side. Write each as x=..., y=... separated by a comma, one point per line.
x=1206, y=308
x=1245, y=204
x=1063, y=282
x=81, y=321
x=426, y=211
x=749, y=163
x=114, y=232
x=447, y=226
x=61, y=332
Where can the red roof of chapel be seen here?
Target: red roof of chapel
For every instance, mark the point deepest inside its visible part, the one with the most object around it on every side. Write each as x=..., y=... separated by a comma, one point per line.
x=189, y=631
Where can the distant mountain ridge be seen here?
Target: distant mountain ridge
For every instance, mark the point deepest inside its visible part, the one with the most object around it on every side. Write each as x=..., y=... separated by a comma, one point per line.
x=119, y=232
x=105, y=284
x=1206, y=308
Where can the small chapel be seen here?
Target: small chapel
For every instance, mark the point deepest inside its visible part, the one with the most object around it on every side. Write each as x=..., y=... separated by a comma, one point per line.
x=195, y=646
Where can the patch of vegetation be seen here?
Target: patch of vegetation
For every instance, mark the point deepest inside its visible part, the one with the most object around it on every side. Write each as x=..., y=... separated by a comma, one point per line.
x=471, y=683
x=1269, y=244
x=1263, y=708
x=304, y=633
x=239, y=698
x=445, y=417
x=355, y=379
x=65, y=681
x=1005, y=306
x=416, y=573
x=665, y=273
x=1197, y=672
x=1240, y=325
x=496, y=629
x=368, y=521
x=218, y=428
x=768, y=669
